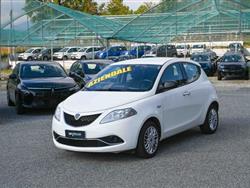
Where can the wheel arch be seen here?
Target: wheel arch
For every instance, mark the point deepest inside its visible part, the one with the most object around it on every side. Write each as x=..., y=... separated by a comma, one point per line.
x=155, y=120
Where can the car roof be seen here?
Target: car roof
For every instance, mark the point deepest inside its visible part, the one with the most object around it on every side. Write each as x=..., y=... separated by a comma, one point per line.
x=97, y=61
x=154, y=61
x=38, y=62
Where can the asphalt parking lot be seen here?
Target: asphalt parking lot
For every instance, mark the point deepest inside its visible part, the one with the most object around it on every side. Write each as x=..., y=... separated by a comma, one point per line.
x=28, y=157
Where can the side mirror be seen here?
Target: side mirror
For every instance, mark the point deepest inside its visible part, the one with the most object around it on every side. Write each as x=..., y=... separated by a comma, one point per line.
x=13, y=76
x=80, y=73
x=167, y=86
x=71, y=74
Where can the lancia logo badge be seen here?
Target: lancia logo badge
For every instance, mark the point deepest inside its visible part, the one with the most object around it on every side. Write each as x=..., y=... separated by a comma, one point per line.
x=77, y=116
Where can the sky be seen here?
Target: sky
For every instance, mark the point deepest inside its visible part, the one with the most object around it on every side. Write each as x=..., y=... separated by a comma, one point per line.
x=133, y=4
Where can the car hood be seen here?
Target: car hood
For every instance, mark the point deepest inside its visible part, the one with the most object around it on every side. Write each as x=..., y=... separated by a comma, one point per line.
x=60, y=53
x=232, y=63
x=205, y=63
x=25, y=54
x=43, y=83
x=94, y=101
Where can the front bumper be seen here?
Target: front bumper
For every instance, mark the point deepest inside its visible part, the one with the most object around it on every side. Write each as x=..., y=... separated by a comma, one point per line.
x=228, y=72
x=57, y=57
x=43, y=99
x=126, y=130
x=22, y=58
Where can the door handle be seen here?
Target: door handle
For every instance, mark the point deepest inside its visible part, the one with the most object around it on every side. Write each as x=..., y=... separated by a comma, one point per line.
x=158, y=106
x=186, y=93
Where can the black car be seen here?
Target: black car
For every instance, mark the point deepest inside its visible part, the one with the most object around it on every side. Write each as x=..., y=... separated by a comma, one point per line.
x=38, y=85
x=84, y=70
x=233, y=64
x=45, y=55
x=166, y=51
x=206, y=62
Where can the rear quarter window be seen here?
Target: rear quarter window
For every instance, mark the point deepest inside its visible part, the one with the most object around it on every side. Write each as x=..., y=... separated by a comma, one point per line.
x=193, y=72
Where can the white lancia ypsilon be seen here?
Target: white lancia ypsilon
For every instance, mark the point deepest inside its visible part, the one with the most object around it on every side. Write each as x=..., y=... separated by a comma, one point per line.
x=134, y=104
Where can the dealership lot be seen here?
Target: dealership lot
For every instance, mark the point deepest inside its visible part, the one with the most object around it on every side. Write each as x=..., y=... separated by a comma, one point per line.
x=29, y=159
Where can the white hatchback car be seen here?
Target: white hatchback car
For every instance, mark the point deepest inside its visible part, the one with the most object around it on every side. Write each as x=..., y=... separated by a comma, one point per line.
x=135, y=104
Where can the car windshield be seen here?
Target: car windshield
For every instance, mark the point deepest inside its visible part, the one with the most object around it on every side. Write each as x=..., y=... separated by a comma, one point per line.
x=82, y=50
x=199, y=58
x=232, y=58
x=197, y=46
x=180, y=47
x=29, y=71
x=92, y=68
x=64, y=50
x=29, y=50
x=130, y=78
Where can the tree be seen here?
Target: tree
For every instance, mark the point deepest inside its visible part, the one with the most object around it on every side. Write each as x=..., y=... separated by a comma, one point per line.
x=144, y=7
x=116, y=7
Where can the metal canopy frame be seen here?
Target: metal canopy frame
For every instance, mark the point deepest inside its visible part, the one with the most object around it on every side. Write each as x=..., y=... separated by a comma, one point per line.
x=47, y=23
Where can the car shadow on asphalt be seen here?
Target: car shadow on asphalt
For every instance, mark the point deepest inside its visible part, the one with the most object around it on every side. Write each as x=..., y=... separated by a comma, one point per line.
x=8, y=114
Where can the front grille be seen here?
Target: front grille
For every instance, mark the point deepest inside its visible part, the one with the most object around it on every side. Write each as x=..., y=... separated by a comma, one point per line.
x=79, y=143
x=82, y=121
x=99, y=142
x=232, y=67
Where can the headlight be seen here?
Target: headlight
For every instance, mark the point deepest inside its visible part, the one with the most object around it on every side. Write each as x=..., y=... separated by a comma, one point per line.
x=221, y=66
x=58, y=113
x=118, y=114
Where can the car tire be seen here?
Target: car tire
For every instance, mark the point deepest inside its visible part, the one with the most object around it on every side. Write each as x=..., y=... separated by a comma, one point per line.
x=45, y=58
x=211, y=122
x=219, y=76
x=29, y=59
x=83, y=58
x=65, y=58
x=10, y=103
x=144, y=147
x=19, y=105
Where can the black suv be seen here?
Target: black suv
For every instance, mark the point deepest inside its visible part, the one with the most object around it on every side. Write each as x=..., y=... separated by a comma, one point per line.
x=233, y=64
x=166, y=51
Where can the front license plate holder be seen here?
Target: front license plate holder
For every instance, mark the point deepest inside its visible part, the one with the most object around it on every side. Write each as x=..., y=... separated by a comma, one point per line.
x=75, y=134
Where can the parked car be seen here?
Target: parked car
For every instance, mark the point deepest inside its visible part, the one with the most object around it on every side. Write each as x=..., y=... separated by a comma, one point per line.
x=183, y=50
x=206, y=62
x=149, y=55
x=30, y=54
x=45, y=54
x=236, y=47
x=166, y=51
x=38, y=85
x=114, y=51
x=233, y=64
x=198, y=48
x=86, y=53
x=134, y=104
x=151, y=52
x=84, y=70
x=212, y=54
x=138, y=51
x=65, y=53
